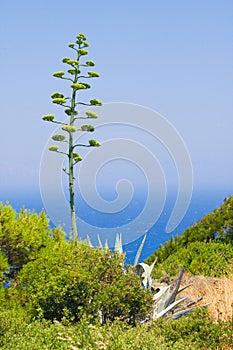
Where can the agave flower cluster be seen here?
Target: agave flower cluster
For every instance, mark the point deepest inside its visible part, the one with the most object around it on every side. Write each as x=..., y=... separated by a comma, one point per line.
x=77, y=74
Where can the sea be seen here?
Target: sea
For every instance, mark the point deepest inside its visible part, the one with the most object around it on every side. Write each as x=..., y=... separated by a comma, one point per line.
x=202, y=202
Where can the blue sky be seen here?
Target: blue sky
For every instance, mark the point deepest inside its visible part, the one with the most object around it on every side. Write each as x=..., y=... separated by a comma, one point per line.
x=175, y=57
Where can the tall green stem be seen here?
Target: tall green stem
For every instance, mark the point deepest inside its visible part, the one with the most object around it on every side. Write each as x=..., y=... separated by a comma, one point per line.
x=71, y=168
x=71, y=190
x=70, y=109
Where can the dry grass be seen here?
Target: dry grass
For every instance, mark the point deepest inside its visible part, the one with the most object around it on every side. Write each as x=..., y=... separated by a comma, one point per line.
x=217, y=291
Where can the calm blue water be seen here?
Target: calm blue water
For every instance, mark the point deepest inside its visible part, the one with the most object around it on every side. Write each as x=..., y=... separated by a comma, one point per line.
x=202, y=202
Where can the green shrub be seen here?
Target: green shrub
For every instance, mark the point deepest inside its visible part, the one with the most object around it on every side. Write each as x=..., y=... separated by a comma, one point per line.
x=3, y=266
x=194, y=332
x=22, y=235
x=18, y=333
x=215, y=226
x=199, y=258
x=72, y=280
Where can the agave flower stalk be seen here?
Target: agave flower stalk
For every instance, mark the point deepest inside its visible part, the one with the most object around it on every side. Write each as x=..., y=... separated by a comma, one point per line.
x=70, y=105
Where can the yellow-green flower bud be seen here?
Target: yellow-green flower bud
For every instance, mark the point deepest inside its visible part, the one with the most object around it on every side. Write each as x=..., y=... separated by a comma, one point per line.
x=57, y=95
x=87, y=127
x=69, y=112
x=77, y=157
x=77, y=86
x=72, y=71
x=90, y=63
x=73, y=62
x=48, y=117
x=91, y=114
x=95, y=102
x=93, y=74
x=82, y=52
x=87, y=85
x=59, y=100
x=86, y=44
x=71, y=45
x=65, y=60
x=69, y=128
x=58, y=137
x=94, y=143
x=81, y=36
x=58, y=74
x=53, y=148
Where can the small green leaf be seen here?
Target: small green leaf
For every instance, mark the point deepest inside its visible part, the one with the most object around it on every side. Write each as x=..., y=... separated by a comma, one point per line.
x=94, y=143
x=58, y=137
x=48, y=117
x=53, y=148
x=69, y=128
x=87, y=127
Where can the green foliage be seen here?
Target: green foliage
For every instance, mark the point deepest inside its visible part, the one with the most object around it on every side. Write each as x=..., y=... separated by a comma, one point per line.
x=22, y=235
x=77, y=280
x=199, y=258
x=216, y=226
x=18, y=333
x=62, y=282
x=194, y=332
x=3, y=265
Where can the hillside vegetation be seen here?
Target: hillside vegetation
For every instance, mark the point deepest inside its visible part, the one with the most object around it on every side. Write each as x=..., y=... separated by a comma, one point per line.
x=206, y=248
x=59, y=294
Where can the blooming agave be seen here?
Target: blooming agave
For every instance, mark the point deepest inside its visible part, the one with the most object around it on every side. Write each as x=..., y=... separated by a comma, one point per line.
x=77, y=75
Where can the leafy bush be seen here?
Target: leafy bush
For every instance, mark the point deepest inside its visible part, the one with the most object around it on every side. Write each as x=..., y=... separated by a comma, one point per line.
x=199, y=258
x=194, y=332
x=3, y=265
x=22, y=235
x=18, y=333
x=65, y=281
x=215, y=226
x=72, y=280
